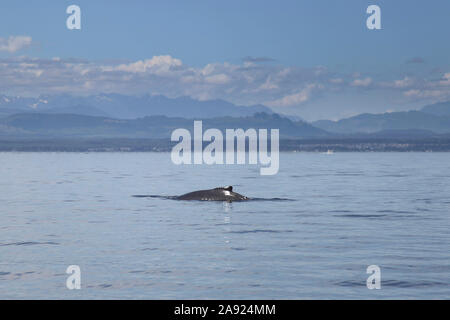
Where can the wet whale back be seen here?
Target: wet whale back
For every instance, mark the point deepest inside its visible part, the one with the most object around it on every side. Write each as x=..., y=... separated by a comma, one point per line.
x=217, y=194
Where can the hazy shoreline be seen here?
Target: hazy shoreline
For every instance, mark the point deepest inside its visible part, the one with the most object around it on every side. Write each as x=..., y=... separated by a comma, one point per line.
x=163, y=145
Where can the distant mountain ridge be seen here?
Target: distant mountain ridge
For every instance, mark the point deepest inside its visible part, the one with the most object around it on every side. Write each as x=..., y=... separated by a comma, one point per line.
x=430, y=120
x=70, y=125
x=126, y=107
x=438, y=109
x=435, y=118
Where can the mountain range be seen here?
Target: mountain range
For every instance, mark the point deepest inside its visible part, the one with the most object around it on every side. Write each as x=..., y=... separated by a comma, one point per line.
x=432, y=118
x=126, y=107
x=115, y=115
x=35, y=125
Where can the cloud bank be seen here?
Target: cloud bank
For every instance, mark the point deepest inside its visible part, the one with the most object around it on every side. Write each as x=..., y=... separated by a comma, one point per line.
x=284, y=88
x=14, y=43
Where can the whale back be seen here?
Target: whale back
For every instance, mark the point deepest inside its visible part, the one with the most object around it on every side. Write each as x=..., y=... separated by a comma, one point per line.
x=216, y=194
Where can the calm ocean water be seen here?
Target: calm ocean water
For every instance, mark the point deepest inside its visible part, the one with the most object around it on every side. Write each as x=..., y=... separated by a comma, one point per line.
x=349, y=211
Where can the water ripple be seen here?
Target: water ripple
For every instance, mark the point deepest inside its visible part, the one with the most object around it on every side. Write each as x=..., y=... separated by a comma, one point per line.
x=28, y=243
x=395, y=283
x=260, y=231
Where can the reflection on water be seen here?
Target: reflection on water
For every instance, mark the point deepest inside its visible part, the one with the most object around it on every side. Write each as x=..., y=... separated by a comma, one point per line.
x=325, y=220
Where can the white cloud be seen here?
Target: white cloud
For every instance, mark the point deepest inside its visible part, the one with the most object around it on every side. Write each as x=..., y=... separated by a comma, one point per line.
x=362, y=82
x=157, y=64
x=218, y=79
x=428, y=93
x=269, y=84
x=293, y=99
x=445, y=81
x=244, y=83
x=437, y=90
x=14, y=43
x=405, y=82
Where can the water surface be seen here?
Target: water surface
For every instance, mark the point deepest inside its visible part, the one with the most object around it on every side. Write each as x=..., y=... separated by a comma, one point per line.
x=349, y=211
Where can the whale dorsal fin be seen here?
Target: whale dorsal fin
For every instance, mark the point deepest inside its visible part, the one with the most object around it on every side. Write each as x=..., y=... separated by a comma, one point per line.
x=228, y=188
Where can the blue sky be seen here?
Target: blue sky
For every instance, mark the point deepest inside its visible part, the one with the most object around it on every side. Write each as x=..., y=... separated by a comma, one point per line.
x=315, y=59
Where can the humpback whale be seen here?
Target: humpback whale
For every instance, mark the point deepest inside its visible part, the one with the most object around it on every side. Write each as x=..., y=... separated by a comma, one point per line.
x=216, y=194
